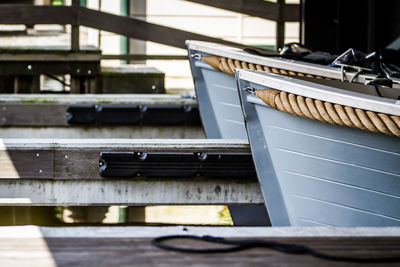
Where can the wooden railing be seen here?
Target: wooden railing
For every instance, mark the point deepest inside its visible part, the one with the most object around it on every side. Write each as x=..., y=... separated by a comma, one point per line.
x=76, y=16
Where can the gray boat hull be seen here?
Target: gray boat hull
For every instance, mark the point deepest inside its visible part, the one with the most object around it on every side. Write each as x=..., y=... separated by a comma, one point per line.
x=322, y=174
x=222, y=117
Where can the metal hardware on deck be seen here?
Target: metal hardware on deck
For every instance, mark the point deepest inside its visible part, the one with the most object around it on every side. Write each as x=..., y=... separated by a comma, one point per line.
x=132, y=115
x=344, y=67
x=196, y=56
x=176, y=164
x=249, y=89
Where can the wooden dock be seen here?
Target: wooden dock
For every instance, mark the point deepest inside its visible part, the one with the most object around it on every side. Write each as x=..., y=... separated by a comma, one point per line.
x=44, y=116
x=131, y=246
x=57, y=172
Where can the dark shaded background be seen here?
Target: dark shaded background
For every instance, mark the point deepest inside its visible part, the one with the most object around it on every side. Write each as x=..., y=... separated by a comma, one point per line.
x=336, y=25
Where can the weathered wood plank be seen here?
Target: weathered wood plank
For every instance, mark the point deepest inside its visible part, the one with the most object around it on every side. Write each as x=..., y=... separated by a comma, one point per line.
x=114, y=99
x=223, y=231
x=31, y=15
x=26, y=164
x=134, y=192
x=76, y=247
x=189, y=145
x=32, y=114
x=257, y=8
x=86, y=132
x=142, y=30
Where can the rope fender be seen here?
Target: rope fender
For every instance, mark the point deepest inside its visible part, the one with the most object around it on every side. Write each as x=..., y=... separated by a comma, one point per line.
x=330, y=113
x=228, y=65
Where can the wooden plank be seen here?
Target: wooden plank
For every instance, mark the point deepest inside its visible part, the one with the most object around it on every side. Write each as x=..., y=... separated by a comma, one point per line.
x=32, y=114
x=26, y=164
x=131, y=192
x=79, y=159
x=144, y=57
x=115, y=99
x=40, y=56
x=223, y=231
x=188, y=145
x=256, y=8
x=20, y=247
x=76, y=68
x=86, y=132
x=142, y=30
x=31, y=15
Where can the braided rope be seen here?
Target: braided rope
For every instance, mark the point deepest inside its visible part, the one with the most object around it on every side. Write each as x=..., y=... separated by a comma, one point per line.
x=228, y=65
x=331, y=113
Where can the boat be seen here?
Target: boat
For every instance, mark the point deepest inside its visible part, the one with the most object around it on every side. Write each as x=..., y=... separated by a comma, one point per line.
x=212, y=67
x=324, y=155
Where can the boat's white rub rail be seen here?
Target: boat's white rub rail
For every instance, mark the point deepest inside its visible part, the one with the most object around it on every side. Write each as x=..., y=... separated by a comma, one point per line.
x=278, y=62
x=322, y=92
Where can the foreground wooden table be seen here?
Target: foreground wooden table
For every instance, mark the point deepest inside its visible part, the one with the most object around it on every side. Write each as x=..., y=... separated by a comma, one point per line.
x=131, y=246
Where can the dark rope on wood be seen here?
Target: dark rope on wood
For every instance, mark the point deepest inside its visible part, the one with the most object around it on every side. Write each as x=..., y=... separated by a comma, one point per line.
x=244, y=244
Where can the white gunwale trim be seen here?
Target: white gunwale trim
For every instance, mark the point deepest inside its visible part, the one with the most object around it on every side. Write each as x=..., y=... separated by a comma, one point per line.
x=111, y=99
x=31, y=231
x=278, y=62
x=322, y=92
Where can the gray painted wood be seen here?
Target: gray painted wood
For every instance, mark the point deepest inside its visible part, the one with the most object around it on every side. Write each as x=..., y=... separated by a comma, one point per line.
x=337, y=176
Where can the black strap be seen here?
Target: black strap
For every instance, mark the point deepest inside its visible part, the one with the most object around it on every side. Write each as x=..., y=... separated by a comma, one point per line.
x=238, y=245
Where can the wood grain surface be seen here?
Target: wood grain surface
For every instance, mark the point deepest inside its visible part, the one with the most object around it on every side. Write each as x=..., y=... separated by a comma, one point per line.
x=140, y=252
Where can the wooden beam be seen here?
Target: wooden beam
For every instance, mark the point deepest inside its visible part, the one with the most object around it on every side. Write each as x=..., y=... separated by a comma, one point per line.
x=144, y=57
x=30, y=231
x=35, y=192
x=41, y=56
x=256, y=8
x=75, y=28
x=116, y=99
x=31, y=15
x=85, y=132
x=280, y=25
x=142, y=30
